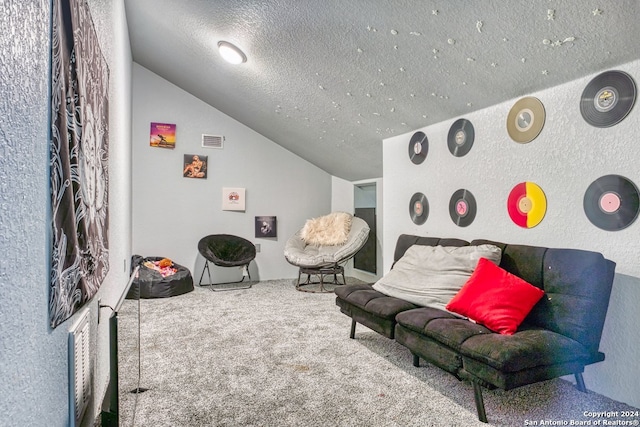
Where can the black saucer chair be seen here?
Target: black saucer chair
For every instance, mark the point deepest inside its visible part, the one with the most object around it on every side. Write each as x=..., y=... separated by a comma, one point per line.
x=225, y=250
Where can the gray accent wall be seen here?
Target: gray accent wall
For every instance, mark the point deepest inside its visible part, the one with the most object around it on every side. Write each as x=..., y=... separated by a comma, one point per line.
x=567, y=156
x=172, y=213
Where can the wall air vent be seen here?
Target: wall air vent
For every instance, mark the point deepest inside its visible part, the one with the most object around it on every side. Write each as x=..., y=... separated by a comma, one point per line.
x=79, y=369
x=212, y=141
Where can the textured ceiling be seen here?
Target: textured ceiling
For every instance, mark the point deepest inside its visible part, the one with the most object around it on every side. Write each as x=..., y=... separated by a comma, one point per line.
x=328, y=80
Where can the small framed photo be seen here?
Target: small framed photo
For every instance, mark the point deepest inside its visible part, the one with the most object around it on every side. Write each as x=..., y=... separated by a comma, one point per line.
x=266, y=226
x=194, y=166
x=233, y=199
x=163, y=135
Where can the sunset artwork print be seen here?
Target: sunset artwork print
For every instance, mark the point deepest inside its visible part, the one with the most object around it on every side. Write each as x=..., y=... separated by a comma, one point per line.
x=163, y=135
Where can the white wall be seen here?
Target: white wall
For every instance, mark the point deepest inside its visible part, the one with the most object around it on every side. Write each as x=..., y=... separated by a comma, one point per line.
x=171, y=213
x=563, y=160
x=33, y=358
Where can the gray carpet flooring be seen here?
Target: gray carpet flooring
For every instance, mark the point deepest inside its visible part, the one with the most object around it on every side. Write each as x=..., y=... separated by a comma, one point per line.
x=273, y=356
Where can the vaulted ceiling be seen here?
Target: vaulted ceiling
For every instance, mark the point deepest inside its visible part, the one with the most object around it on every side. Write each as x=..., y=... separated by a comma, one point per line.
x=330, y=79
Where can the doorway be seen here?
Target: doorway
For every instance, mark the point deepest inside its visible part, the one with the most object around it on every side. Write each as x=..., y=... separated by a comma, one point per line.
x=365, y=203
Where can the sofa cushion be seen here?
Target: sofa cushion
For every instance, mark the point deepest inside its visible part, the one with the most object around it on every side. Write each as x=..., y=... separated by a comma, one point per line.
x=495, y=298
x=405, y=241
x=522, y=260
x=329, y=230
x=432, y=275
x=578, y=285
x=440, y=326
x=524, y=349
x=365, y=297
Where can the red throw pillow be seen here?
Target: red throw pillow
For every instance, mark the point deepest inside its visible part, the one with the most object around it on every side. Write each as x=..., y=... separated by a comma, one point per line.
x=495, y=298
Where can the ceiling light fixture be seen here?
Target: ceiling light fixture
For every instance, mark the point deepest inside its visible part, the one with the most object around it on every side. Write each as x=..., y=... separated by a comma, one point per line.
x=231, y=53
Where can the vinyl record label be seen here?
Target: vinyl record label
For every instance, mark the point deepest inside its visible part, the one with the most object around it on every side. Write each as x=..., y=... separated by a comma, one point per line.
x=460, y=138
x=418, y=147
x=462, y=207
x=608, y=98
x=525, y=119
x=611, y=202
x=418, y=208
x=527, y=204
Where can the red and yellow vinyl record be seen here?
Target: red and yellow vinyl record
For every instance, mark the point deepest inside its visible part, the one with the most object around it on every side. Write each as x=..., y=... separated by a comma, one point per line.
x=527, y=204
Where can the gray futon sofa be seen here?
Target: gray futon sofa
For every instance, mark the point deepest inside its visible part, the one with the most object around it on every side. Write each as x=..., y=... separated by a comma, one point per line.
x=559, y=336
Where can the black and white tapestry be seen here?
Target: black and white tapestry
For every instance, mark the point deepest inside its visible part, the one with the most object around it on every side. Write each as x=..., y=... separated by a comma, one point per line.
x=79, y=160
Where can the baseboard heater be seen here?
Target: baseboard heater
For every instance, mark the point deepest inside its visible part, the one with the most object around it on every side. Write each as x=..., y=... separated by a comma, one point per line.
x=110, y=414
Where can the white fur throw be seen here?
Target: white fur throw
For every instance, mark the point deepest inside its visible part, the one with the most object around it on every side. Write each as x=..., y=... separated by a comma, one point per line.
x=328, y=230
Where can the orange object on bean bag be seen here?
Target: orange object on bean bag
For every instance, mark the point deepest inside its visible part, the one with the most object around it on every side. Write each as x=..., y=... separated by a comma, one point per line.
x=165, y=262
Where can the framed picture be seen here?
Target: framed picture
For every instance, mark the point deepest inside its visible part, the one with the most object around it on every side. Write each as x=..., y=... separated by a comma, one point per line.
x=163, y=135
x=266, y=226
x=233, y=199
x=194, y=166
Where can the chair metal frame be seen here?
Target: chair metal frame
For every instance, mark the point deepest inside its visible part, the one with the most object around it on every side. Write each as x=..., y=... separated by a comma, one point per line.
x=212, y=285
x=330, y=270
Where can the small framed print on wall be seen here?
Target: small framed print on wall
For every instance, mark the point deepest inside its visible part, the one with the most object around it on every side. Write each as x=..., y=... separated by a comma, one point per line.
x=194, y=166
x=163, y=135
x=233, y=199
x=266, y=226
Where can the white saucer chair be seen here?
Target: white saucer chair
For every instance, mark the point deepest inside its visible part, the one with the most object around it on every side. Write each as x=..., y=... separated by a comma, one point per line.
x=323, y=246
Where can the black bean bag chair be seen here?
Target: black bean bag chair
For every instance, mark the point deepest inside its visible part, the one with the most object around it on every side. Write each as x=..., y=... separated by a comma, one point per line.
x=151, y=284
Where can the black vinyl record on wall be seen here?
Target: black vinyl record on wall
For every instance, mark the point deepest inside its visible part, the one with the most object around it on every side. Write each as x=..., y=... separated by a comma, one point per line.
x=462, y=207
x=611, y=202
x=460, y=138
x=608, y=98
x=418, y=147
x=418, y=208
